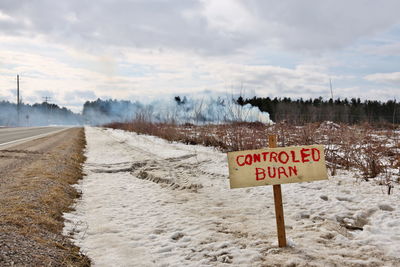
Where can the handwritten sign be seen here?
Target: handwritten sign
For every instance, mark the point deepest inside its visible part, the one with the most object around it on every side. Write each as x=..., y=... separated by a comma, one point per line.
x=276, y=166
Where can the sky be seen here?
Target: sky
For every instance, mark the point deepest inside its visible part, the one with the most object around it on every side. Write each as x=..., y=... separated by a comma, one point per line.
x=79, y=50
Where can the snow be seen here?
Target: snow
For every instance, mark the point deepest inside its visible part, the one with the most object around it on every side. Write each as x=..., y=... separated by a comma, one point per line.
x=147, y=202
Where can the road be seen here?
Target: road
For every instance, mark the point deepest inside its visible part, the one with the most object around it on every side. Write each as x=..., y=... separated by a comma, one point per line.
x=12, y=136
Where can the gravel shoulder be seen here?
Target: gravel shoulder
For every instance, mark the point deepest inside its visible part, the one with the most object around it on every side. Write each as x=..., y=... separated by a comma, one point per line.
x=35, y=190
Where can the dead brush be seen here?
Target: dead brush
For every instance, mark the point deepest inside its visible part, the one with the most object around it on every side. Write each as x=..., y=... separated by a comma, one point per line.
x=166, y=131
x=330, y=135
x=207, y=136
x=308, y=134
x=244, y=136
x=283, y=130
x=386, y=180
x=359, y=147
x=370, y=151
x=235, y=137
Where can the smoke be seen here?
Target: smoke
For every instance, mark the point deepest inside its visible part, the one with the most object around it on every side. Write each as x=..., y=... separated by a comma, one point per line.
x=106, y=111
x=206, y=110
x=36, y=115
x=173, y=110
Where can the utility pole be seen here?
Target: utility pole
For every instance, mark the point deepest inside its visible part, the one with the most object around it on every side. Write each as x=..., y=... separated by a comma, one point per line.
x=18, y=101
x=46, y=100
x=332, y=117
x=394, y=110
x=330, y=84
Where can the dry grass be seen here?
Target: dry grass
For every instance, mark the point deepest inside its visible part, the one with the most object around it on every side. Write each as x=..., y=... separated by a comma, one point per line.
x=34, y=203
x=371, y=151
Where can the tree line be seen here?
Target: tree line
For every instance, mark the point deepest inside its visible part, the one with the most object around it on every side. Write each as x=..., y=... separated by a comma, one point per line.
x=36, y=115
x=351, y=111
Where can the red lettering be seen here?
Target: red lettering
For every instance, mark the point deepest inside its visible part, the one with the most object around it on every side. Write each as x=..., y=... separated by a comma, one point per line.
x=304, y=155
x=273, y=156
x=237, y=160
x=269, y=172
x=257, y=158
x=286, y=157
x=294, y=156
x=258, y=172
x=316, y=154
x=265, y=155
x=281, y=170
x=292, y=170
x=248, y=159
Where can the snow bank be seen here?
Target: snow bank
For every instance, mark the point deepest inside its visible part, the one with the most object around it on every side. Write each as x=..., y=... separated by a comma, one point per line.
x=147, y=202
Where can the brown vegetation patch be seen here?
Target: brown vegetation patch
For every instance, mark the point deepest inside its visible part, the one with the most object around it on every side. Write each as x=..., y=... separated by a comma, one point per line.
x=35, y=192
x=370, y=150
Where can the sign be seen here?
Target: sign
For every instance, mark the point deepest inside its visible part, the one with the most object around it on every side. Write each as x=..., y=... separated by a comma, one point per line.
x=274, y=166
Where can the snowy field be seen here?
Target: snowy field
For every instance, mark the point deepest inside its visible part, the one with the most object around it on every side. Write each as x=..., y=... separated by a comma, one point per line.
x=147, y=202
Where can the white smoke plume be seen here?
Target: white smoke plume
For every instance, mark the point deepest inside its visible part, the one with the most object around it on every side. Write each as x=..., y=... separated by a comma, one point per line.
x=36, y=115
x=206, y=110
x=179, y=110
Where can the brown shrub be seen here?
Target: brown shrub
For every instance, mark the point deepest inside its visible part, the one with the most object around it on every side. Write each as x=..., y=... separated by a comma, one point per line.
x=360, y=147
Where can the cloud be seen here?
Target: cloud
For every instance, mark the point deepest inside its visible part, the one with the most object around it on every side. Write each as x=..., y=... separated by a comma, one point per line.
x=267, y=80
x=136, y=74
x=318, y=25
x=370, y=93
x=207, y=27
x=141, y=49
x=84, y=94
x=141, y=24
x=389, y=49
x=388, y=78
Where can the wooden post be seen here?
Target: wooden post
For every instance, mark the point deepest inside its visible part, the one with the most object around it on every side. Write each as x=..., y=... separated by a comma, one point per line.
x=280, y=222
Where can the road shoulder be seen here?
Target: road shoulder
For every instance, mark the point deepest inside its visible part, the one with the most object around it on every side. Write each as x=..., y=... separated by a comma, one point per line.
x=35, y=190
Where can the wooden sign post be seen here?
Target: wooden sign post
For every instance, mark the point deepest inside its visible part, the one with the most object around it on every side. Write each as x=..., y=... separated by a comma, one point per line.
x=280, y=221
x=276, y=166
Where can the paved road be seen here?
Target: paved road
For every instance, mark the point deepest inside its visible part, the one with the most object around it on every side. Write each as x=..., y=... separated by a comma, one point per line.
x=15, y=135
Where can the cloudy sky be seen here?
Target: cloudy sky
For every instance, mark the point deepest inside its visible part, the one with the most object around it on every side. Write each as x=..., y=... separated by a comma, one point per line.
x=78, y=50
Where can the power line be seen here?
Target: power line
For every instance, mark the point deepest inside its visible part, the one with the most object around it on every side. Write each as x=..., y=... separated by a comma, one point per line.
x=46, y=99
